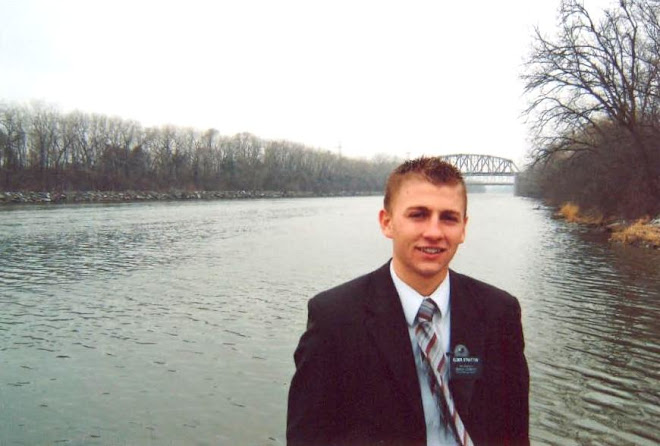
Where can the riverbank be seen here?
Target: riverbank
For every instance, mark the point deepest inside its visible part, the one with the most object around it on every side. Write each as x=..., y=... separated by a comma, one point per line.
x=71, y=197
x=644, y=232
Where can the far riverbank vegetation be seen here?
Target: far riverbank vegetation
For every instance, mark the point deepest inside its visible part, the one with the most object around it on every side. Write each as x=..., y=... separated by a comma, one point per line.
x=43, y=149
x=594, y=90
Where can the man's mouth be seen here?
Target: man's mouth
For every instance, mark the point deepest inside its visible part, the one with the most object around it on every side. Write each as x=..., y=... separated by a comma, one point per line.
x=432, y=250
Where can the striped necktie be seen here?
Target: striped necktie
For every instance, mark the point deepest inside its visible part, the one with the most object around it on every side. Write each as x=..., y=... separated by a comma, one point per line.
x=433, y=352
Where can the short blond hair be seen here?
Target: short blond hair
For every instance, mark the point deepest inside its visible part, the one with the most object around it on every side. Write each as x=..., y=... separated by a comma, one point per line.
x=432, y=169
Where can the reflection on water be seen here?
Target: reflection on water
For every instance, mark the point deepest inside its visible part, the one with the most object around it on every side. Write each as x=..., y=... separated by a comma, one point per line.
x=175, y=323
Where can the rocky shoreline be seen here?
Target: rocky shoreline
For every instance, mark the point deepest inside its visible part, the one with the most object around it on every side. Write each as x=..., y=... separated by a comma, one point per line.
x=70, y=197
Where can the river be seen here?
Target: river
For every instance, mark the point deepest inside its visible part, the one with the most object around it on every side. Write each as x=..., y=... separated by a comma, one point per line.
x=169, y=323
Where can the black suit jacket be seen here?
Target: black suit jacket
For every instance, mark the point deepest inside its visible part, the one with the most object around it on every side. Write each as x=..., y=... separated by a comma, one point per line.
x=356, y=383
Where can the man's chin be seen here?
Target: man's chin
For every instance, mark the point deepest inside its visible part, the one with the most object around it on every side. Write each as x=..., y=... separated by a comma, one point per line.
x=432, y=272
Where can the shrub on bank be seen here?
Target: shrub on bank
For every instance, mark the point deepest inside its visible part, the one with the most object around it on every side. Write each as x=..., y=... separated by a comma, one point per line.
x=642, y=232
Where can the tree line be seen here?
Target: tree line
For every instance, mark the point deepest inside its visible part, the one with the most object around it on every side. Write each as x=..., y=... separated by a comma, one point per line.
x=43, y=149
x=594, y=91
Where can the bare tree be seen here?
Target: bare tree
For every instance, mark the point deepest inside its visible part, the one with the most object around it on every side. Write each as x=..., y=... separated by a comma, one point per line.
x=598, y=72
x=13, y=151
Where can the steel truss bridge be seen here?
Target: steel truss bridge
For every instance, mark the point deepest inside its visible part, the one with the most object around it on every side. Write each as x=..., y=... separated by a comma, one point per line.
x=484, y=169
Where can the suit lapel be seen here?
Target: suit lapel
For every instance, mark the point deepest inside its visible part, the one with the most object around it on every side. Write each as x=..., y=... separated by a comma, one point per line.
x=466, y=329
x=387, y=326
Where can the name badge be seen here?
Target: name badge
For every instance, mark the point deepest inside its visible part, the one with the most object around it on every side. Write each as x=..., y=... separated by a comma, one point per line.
x=464, y=366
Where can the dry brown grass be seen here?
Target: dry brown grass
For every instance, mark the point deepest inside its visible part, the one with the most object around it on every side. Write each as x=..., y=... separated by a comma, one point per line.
x=639, y=233
x=571, y=213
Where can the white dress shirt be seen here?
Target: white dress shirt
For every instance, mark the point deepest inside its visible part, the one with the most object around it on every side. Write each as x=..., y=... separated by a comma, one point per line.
x=437, y=433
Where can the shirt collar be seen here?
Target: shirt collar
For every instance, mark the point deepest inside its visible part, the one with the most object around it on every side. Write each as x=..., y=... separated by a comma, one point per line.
x=411, y=300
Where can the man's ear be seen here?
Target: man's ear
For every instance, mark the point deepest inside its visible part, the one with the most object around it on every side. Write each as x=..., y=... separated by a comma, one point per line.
x=385, y=220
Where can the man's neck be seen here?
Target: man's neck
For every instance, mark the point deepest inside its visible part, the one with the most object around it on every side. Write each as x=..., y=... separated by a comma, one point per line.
x=423, y=285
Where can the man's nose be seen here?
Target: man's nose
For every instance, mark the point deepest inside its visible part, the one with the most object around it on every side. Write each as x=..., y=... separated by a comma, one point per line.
x=433, y=229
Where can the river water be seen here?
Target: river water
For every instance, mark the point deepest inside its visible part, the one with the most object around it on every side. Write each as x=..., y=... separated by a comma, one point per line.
x=175, y=323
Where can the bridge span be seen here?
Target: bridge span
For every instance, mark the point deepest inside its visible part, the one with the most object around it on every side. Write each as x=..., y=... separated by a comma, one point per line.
x=484, y=169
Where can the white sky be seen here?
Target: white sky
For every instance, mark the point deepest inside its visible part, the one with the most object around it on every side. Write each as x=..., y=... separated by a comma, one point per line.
x=393, y=77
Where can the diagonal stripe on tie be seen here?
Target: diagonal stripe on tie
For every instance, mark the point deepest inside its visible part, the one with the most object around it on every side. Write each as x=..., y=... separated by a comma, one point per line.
x=434, y=354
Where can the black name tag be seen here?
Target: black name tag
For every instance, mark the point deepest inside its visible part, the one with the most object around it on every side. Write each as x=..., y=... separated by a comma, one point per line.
x=466, y=367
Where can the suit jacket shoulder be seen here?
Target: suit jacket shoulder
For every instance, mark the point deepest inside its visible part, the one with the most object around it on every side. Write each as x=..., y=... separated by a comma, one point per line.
x=342, y=303
x=484, y=293
x=348, y=293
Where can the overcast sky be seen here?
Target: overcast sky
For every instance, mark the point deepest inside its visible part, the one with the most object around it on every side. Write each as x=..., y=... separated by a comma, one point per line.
x=393, y=77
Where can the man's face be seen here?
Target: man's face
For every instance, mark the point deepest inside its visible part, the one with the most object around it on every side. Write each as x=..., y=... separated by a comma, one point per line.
x=426, y=224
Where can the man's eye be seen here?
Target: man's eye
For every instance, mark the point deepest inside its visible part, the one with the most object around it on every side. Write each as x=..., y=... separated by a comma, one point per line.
x=417, y=215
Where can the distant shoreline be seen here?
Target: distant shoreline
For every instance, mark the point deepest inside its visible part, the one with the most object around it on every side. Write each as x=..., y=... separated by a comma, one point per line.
x=86, y=197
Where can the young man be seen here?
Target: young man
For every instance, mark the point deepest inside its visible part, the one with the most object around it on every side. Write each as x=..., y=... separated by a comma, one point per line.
x=413, y=353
